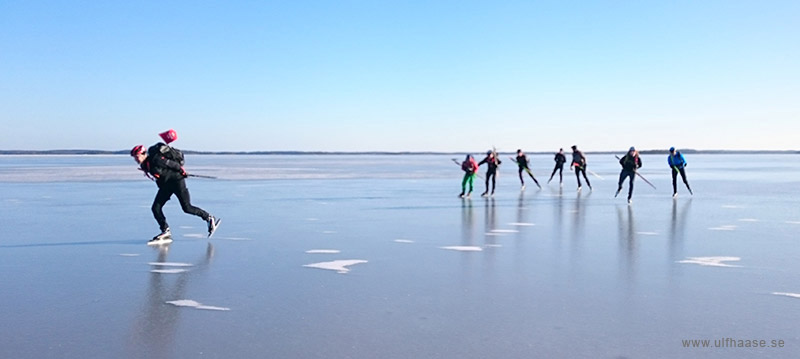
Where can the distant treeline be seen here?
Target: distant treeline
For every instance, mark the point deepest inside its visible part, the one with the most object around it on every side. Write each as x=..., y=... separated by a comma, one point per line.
x=127, y=152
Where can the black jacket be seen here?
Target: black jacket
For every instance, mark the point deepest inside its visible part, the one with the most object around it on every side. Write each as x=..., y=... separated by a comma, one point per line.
x=630, y=163
x=160, y=167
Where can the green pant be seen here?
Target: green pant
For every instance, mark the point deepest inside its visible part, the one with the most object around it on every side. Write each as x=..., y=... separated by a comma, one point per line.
x=468, y=178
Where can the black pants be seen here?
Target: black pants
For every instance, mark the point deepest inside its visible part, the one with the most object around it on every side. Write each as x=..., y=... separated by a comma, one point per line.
x=165, y=191
x=578, y=171
x=560, y=169
x=528, y=170
x=490, y=175
x=675, y=179
x=622, y=176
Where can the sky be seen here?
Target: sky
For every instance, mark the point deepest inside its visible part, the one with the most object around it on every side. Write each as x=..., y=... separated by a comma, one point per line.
x=410, y=75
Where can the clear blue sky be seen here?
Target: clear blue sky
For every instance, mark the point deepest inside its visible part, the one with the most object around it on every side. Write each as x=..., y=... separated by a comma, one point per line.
x=400, y=75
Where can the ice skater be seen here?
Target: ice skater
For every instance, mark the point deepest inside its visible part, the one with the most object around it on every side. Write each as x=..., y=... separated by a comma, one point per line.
x=579, y=163
x=522, y=162
x=470, y=168
x=560, y=160
x=677, y=163
x=630, y=163
x=492, y=162
x=164, y=164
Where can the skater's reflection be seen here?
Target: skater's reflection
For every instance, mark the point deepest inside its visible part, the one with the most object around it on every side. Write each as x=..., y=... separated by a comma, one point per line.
x=677, y=230
x=467, y=228
x=626, y=227
x=578, y=223
x=490, y=238
x=153, y=333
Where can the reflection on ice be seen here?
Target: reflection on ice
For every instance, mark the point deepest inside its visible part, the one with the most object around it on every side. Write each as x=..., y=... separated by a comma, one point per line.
x=338, y=265
x=403, y=241
x=711, y=261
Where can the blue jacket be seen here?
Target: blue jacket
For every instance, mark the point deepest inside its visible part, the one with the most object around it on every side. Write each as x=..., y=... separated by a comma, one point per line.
x=677, y=160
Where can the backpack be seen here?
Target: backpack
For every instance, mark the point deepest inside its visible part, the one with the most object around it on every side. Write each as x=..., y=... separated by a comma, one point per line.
x=170, y=153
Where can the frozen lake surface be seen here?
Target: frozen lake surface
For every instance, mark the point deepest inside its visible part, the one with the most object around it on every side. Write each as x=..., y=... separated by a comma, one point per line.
x=375, y=257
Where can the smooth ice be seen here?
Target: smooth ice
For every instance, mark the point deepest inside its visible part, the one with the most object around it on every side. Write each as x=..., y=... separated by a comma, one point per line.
x=419, y=272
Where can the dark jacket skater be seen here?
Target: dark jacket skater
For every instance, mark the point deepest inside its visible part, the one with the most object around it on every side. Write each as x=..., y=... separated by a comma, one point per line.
x=170, y=179
x=630, y=163
x=491, y=162
x=560, y=160
x=579, y=163
x=522, y=163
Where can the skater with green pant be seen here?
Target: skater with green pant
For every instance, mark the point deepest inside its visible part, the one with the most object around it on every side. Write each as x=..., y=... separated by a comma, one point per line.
x=470, y=168
x=677, y=163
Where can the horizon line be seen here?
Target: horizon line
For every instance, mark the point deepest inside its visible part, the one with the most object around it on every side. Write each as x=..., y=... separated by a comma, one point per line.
x=294, y=152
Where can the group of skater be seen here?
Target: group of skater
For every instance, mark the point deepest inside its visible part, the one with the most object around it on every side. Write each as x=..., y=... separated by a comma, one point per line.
x=164, y=165
x=630, y=163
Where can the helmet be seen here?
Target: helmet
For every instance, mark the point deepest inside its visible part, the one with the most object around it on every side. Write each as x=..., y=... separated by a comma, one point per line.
x=136, y=150
x=632, y=149
x=489, y=152
x=672, y=149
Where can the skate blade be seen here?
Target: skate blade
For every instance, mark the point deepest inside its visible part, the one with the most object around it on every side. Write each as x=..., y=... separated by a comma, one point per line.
x=160, y=242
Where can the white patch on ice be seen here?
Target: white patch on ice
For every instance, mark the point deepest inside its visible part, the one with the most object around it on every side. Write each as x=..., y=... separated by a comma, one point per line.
x=403, y=241
x=339, y=265
x=793, y=222
x=648, y=233
x=328, y=232
x=169, y=271
x=505, y=231
x=711, y=261
x=725, y=227
x=463, y=248
x=185, y=227
x=732, y=206
x=129, y=254
x=211, y=307
x=494, y=245
x=793, y=295
x=495, y=234
x=193, y=304
x=521, y=224
x=184, y=303
x=748, y=220
x=170, y=264
x=312, y=219
x=323, y=251
x=195, y=235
